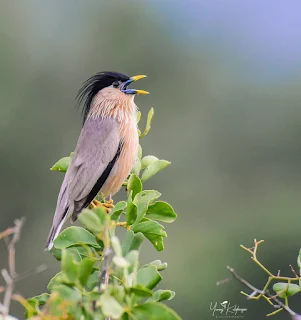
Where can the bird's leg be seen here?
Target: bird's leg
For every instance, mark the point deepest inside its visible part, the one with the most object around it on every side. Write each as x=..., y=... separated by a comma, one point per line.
x=108, y=205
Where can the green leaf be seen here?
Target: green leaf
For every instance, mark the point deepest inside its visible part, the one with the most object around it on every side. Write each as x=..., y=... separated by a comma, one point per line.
x=116, y=246
x=68, y=293
x=137, y=167
x=132, y=259
x=83, y=251
x=147, y=160
x=161, y=211
x=139, y=152
x=157, y=241
x=62, y=165
x=118, y=292
x=56, y=280
x=85, y=269
x=101, y=213
x=149, y=118
x=134, y=184
x=148, y=276
x=153, y=169
x=91, y=221
x=141, y=291
x=138, y=116
x=93, y=279
x=32, y=305
x=161, y=295
x=111, y=307
x=75, y=236
x=286, y=289
x=41, y=299
x=153, y=231
x=121, y=262
x=131, y=210
x=148, y=122
x=57, y=253
x=142, y=200
x=150, y=227
x=153, y=311
x=132, y=241
x=158, y=264
x=299, y=259
x=117, y=210
x=69, y=266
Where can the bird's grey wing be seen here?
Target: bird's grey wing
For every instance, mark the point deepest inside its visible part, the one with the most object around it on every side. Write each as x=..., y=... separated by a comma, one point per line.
x=98, y=146
x=97, y=150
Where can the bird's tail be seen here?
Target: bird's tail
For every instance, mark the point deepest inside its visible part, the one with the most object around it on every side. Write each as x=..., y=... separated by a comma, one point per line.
x=55, y=230
x=62, y=212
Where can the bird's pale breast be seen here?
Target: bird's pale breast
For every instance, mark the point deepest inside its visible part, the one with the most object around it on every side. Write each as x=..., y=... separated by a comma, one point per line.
x=126, y=160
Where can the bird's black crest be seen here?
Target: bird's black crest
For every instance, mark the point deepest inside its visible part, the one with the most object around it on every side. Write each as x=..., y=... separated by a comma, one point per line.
x=95, y=84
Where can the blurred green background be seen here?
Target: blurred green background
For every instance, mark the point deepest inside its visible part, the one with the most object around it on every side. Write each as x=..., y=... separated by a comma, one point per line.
x=225, y=84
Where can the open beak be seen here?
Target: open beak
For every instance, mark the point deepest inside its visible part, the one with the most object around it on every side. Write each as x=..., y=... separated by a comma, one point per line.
x=133, y=91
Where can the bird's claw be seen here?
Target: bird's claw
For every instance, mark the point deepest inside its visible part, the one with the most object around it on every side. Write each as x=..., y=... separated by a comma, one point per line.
x=108, y=205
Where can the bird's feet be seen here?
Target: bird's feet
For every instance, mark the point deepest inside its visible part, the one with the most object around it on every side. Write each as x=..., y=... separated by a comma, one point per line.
x=108, y=205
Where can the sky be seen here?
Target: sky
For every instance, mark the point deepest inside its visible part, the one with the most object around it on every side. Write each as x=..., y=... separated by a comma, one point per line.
x=264, y=36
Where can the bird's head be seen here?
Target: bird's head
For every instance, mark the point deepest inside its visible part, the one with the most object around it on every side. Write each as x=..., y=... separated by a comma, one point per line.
x=112, y=85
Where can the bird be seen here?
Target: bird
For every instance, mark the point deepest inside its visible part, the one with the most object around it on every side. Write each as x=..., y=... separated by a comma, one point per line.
x=107, y=147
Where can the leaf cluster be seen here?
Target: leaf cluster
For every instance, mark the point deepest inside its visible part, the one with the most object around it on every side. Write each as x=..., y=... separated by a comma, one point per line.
x=91, y=253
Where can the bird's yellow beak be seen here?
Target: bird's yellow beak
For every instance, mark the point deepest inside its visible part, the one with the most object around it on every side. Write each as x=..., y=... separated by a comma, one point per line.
x=141, y=92
x=135, y=78
x=141, y=76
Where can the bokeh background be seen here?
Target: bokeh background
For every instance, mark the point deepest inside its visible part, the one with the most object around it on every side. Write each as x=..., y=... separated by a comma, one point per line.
x=225, y=80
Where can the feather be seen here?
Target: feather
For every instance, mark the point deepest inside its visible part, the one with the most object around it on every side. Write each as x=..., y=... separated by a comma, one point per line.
x=97, y=147
x=93, y=85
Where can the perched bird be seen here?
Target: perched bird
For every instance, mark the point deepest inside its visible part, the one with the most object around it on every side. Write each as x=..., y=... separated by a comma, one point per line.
x=106, y=149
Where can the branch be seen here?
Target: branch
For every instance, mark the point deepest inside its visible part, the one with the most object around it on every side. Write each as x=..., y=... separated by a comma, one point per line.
x=279, y=305
x=11, y=236
x=105, y=274
x=10, y=275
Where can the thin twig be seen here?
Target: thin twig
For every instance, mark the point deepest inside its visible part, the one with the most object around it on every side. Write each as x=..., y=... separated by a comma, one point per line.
x=293, y=271
x=6, y=233
x=28, y=273
x=220, y=282
x=105, y=274
x=265, y=294
x=11, y=236
x=9, y=276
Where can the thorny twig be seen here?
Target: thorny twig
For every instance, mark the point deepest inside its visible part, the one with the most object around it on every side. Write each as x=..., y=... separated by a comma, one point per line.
x=264, y=293
x=279, y=305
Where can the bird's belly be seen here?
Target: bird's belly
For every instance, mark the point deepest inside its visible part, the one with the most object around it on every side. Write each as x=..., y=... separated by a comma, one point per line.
x=123, y=165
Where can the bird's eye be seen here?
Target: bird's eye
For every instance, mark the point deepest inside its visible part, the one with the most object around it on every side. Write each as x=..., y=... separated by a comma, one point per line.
x=115, y=84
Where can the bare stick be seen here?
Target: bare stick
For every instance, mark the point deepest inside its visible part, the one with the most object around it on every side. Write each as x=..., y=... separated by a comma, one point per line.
x=7, y=233
x=105, y=274
x=10, y=274
x=28, y=273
